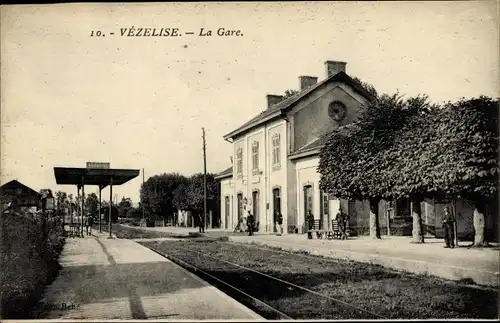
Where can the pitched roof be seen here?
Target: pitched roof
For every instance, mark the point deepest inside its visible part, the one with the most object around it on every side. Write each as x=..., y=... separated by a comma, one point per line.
x=225, y=173
x=314, y=147
x=5, y=188
x=277, y=109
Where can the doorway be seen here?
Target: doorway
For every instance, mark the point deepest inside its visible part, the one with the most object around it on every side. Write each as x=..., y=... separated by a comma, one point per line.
x=240, y=206
x=226, y=212
x=308, y=203
x=276, y=206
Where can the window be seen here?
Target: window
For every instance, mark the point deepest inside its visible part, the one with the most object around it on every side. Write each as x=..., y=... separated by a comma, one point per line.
x=308, y=200
x=403, y=208
x=255, y=205
x=239, y=161
x=276, y=151
x=324, y=203
x=255, y=156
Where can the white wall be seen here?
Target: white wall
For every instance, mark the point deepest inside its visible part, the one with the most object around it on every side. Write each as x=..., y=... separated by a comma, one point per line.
x=266, y=179
x=227, y=189
x=276, y=176
x=306, y=172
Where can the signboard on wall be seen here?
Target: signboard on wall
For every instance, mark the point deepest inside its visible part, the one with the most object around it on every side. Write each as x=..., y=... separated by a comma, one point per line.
x=98, y=165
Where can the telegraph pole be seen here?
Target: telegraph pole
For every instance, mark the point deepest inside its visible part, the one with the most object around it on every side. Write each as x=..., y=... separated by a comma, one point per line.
x=204, y=180
x=142, y=204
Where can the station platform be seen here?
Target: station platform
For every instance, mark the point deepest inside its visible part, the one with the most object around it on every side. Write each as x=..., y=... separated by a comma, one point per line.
x=106, y=279
x=480, y=266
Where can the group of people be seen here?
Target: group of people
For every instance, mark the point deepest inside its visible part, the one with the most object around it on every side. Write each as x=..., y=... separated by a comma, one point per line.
x=342, y=220
x=88, y=222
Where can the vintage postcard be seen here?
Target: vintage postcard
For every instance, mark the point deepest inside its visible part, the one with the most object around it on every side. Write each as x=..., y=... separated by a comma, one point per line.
x=249, y=161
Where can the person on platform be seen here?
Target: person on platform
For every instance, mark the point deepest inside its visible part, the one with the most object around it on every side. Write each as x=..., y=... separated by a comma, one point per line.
x=341, y=221
x=449, y=228
x=310, y=224
x=279, y=223
x=89, y=224
x=201, y=223
x=250, y=223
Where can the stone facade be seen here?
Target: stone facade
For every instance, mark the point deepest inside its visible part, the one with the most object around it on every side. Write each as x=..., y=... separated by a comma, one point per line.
x=264, y=179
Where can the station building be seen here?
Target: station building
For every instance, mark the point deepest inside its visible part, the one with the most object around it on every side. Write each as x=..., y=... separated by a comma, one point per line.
x=276, y=155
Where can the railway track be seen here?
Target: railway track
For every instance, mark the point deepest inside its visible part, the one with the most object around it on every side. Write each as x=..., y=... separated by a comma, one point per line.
x=264, y=293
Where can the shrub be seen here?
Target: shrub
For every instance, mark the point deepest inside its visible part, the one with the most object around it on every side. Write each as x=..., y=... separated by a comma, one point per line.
x=28, y=261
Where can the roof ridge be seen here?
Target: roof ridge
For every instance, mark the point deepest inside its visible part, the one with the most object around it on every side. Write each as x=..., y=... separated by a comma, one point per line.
x=286, y=103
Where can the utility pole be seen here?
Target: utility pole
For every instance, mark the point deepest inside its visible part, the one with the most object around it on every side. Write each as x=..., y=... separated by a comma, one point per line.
x=204, y=180
x=142, y=204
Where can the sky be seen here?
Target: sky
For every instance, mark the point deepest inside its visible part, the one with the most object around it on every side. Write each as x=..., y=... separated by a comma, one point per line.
x=140, y=102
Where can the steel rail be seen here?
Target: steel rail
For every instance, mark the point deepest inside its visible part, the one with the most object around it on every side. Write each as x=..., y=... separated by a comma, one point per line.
x=184, y=264
x=290, y=284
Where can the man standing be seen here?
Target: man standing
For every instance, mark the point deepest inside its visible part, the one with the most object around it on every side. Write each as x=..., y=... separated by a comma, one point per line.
x=201, y=223
x=250, y=223
x=449, y=228
x=341, y=223
x=279, y=223
x=90, y=223
x=310, y=224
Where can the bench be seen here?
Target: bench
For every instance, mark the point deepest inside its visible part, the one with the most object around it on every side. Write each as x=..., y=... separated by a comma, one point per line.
x=317, y=228
x=335, y=232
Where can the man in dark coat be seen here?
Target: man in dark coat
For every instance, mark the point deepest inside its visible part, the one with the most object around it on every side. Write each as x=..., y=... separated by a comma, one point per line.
x=449, y=228
x=310, y=224
x=90, y=223
x=341, y=223
x=201, y=223
x=250, y=223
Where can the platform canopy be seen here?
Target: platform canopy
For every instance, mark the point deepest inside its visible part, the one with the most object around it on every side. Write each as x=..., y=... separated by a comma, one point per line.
x=93, y=176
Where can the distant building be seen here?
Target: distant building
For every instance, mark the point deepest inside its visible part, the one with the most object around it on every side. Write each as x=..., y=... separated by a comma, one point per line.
x=19, y=194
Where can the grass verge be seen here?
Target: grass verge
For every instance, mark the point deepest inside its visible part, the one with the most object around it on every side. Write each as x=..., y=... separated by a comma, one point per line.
x=389, y=293
x=126, y=232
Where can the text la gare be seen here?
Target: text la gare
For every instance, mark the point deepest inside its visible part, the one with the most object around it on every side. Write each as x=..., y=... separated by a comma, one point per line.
x=220, y=32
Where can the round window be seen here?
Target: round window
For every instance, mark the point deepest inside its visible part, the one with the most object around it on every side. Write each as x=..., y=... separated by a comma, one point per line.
x=337, y=110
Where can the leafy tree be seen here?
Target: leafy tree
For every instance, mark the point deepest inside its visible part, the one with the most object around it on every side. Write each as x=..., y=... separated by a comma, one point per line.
x=370, y=88
x=355, y=163
x=403, y=162
x=133, y=212
x=181, y=200
x=448, y=153
x=124, y=205
x=157, y=194
x=465, y=156
x=194, y=193
x=411, y=149
x=91, y=203
x=61, y=200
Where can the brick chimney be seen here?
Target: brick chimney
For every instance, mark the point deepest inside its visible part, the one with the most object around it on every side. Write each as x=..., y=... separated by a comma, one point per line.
x=334, y=67
x=272, y=99
x=307, y=81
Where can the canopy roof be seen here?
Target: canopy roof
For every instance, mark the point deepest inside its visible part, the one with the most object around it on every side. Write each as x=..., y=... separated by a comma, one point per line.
x=93, y=176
